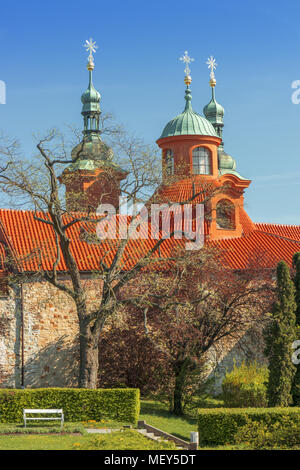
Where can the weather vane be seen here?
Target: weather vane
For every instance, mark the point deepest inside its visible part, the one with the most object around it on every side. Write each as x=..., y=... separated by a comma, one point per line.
x=91, y=48
x=187, y=60
x=211, y=62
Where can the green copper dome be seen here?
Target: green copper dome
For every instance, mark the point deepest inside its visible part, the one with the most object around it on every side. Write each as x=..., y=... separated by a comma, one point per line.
x=189, y=122
x=227, y=164
x=213, y=111
x=92, y=153
x=90, y=98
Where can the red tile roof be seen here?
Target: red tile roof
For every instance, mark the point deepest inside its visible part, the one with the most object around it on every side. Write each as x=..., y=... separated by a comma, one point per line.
x=257, y=248
x=184, y=190
x=32, y=243
x=286, y=231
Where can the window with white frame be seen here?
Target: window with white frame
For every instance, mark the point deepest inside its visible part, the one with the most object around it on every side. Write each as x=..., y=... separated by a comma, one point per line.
x=201, y=161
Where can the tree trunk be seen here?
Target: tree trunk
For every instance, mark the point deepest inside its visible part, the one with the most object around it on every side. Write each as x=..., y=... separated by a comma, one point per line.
x=180, y=373
x=88, y=368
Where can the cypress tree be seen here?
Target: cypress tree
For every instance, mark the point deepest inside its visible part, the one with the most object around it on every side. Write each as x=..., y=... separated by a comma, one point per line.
x=296, y=381
x=279, y=336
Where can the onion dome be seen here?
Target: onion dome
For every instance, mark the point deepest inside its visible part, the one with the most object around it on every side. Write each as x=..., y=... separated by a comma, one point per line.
x=227, y=164
x=90, y=98
x=213, y=111
x=188, y=122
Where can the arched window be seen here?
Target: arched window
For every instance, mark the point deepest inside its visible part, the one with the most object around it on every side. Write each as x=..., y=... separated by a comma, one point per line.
x=201, y=161
x=169, y=162
x=225, y=215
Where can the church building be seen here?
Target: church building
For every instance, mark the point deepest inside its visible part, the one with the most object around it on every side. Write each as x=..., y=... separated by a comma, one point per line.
x=38, y=323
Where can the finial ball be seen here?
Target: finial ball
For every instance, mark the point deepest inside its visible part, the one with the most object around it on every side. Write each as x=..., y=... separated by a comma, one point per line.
x=90, y=66
x=187, y=79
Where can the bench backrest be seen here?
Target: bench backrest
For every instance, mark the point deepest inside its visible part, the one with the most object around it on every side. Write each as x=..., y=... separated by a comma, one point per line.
x=42, y=411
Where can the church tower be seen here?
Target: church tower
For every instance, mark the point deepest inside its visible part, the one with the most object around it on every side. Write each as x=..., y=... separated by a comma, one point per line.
x=196, y=168
x=92, y=178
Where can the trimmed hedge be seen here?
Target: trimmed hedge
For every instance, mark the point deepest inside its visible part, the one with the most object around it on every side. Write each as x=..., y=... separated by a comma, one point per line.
x=78, y=404
x=219, y=425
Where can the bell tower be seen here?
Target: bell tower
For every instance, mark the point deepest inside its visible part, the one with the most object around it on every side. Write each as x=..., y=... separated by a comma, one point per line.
x=196, y=169
x=92, y=178
x=228, y=204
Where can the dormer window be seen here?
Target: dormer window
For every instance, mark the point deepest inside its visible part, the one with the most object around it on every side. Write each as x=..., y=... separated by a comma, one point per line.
x=225, y=215
x=201, y=161
x=169, y=162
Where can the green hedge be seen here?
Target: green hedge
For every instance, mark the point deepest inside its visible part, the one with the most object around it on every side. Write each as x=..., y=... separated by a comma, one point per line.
x=78, y=404
x=219, y=425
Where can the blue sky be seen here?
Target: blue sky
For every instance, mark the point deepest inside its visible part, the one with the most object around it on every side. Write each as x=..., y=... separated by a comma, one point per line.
x=138, y=73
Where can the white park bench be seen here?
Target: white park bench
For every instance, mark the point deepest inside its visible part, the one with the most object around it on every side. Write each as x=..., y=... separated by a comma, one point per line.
x=41, y=412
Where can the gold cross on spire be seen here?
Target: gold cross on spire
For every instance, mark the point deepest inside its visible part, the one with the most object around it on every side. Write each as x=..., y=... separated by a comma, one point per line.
x=90, y=47
x=187, y=60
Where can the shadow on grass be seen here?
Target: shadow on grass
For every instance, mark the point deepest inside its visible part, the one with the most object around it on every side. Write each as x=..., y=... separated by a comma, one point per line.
x=158, y=415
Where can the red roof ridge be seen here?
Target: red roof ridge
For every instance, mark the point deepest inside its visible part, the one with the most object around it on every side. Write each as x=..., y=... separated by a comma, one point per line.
x=276, y=225
x=278, y=236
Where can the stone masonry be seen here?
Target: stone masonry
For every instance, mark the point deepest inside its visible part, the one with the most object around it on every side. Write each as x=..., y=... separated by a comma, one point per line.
x=51, y=349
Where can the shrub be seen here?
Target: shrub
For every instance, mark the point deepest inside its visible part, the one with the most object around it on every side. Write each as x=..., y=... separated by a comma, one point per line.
x=283, y=434
x=245, y=386
x=78, y=404
x=220, y=425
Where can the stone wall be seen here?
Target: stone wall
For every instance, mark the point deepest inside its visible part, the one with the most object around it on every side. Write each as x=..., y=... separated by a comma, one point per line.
x=229, y=352
x=51, y=346
x=51, y=349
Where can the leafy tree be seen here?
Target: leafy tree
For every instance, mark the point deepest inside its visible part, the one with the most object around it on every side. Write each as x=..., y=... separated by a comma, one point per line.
x=279, y=336
x=296, y=382
x=198, y=304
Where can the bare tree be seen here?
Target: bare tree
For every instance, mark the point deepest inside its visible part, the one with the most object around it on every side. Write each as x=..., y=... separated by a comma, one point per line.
x=36, y=184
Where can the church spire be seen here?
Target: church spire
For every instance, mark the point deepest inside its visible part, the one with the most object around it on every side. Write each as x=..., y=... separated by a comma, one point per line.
x=213, y=111
x=186, y=59
x=91, y=97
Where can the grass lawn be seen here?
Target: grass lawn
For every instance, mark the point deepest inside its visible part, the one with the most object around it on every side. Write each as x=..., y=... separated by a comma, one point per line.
x=39, y=442
x=157, y=415
x=15, y=437
x=127, y=439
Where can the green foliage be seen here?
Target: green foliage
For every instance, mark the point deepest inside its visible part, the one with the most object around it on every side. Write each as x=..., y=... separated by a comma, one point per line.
x=77, y=404
x=220, y=425
x=279, y=336
x=124, y=440
x=283, y=434
x=245, y=386
x=296, y=264
x=296, y=381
